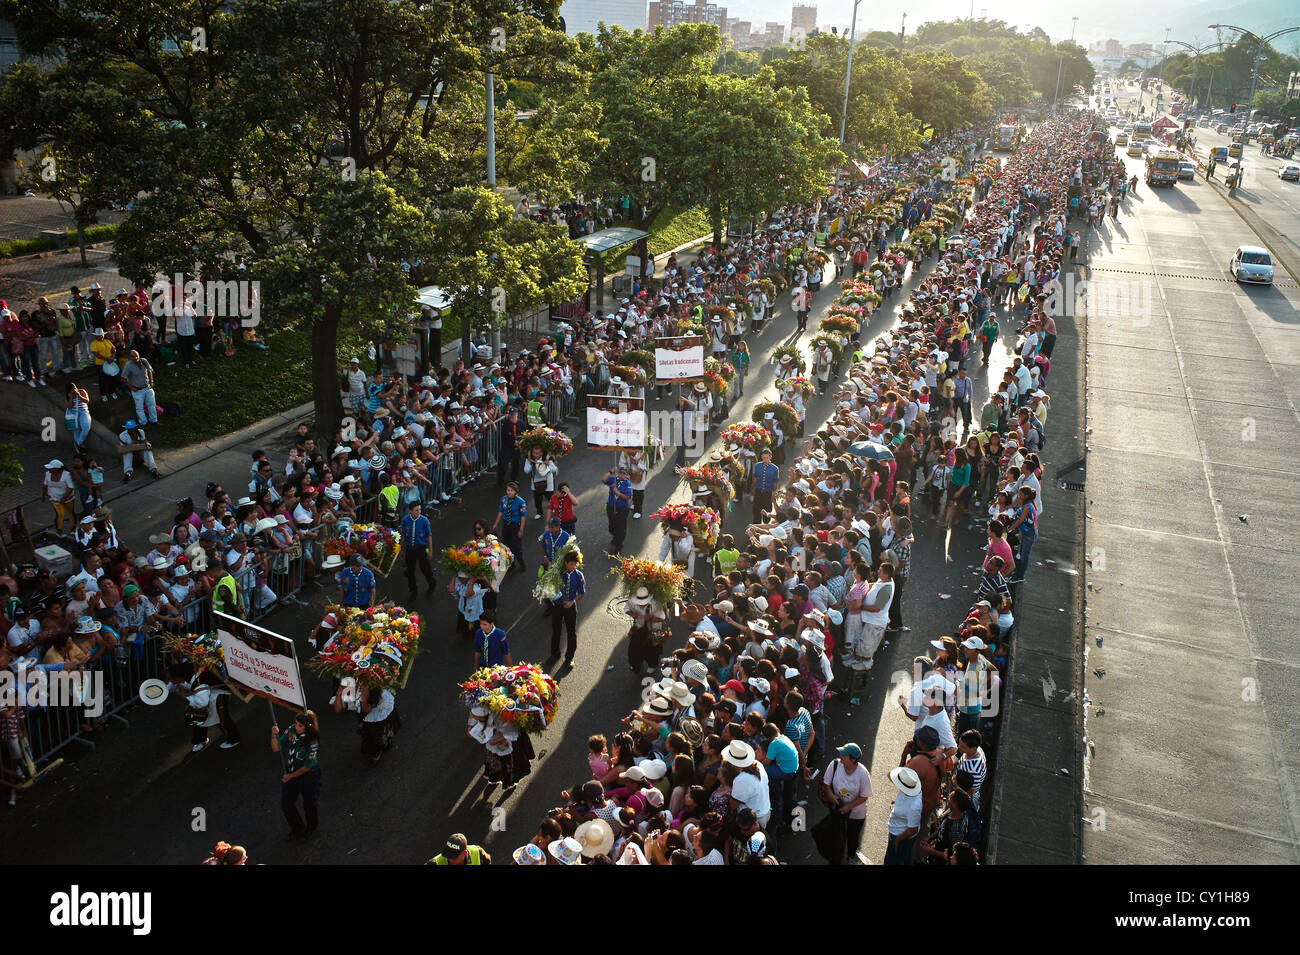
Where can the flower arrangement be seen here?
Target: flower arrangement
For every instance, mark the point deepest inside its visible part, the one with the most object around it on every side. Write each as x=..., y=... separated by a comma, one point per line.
x=717, y=311
x=554, y=443
x=765, y=286
x=632, y=374
x=375, y=646
x=663, y=580
x=786, y=416
x=833, y=343
x=857, y=285
x=523, y=695
x=378, y=545
x=816, y=257
x=703, y=523
x=203, y=650
x=741, y=305
x=715, y=478
x=731, y=464
x=641, y=358
x=750, y=436
x=862, y=299
x=483, y=558
x=839, y=325
x=800, y=385
x=688, y=326
x=791, y=352
x=550, y=584
x=718, y=375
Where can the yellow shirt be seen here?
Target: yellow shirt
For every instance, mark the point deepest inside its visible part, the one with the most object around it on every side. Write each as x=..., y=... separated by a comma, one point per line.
x=103, y=350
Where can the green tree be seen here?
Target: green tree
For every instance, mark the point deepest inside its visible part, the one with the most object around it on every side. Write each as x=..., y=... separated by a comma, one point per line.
x=946, y=93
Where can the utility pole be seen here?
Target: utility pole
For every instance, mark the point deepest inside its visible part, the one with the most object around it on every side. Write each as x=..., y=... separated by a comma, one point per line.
x=848, y=70
x=902, y=31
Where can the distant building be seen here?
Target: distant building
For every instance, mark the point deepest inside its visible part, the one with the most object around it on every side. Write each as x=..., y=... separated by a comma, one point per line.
x=583, y=16
x=803, y=16
x=773, y=34
x=670, y=13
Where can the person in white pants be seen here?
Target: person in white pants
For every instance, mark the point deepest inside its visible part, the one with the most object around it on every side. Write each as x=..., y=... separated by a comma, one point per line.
x=243, y=563
x=133, y=442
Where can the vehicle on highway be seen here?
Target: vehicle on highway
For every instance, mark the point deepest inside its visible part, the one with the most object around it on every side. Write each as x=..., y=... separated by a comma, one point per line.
x=1186, y=170
x=1162, y=167
x=1250, y=263
x=1235, y=150
x=1289, y=173
x=1006, y=137
x=1121, y=139
x=1134, y=149
x=1142, y=130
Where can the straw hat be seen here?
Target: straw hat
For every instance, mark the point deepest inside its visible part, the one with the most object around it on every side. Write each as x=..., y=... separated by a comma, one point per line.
x=595, y=837
x=740, y=754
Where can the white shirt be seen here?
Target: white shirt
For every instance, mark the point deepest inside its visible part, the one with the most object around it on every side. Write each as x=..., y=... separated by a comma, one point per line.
x=713, y=858
x=751, y=791
x=906, y=814
x=849, y=786
x=878, y=618
x=60, y=490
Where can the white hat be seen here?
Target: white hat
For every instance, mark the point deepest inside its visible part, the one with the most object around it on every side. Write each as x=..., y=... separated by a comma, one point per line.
x=906, y=780
x=726, y=606
x=265, y=524
x=567, y=851
x=332, y=561
x=815, y=637
x=160, y=563
x=681, y=694
x=654, y=769
x=759, y=604
x=54, y=465
x=973, y=643
x=595, y=836
x=695, y=670
x=739, y=754
x=761, y=626
x=760, y=684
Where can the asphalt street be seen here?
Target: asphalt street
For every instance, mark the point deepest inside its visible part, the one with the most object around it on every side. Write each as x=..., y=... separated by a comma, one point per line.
x=1191, y=532
x=141, y=797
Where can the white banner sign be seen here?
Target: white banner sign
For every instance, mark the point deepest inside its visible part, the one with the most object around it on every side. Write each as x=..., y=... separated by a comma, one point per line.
x=679, y=359
x=260, y=660
x=615, y=423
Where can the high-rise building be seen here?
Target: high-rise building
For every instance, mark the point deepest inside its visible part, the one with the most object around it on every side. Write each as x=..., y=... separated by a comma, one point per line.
x=582, y=16
x=803, y=16
x=773, y=33
x=669, y=13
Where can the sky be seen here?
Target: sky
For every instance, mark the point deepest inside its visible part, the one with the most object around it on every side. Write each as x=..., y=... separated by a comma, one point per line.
x=1098, y=20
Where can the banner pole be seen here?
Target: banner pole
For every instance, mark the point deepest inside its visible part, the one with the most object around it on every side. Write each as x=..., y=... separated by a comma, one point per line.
x=284, y=765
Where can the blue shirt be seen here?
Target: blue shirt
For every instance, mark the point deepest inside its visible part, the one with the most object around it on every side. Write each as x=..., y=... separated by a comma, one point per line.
x=357, y=586
x=622, y=487
x=416, y=533
x=470, y=603
x=766, y=476
x=961, y=389
x=572, y=585
x=491, y=647
x=512, y=509
x=551, y=543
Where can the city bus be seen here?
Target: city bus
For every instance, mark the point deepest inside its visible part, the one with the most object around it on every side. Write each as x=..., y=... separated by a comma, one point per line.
x=1141, y=130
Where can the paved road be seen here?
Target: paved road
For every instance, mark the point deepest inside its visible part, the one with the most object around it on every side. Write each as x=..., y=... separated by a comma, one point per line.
x=1192, y=498
x=146, y=781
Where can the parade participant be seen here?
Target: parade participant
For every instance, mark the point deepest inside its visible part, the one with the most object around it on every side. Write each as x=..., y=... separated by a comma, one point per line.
x=573, y=587
x=633, y=460
x=491, y=647
x=617, y=506
x=553, y=539
x=512, y=515
x=207, y=704
x=300, y=749
x=542, y=472
x=648, y=621
x=417, y=538
x=508, y=456
x=678, y=547
x=562, y=506
x=379, y=723
x=470, y=601
x=763, y=483
x=357, y=584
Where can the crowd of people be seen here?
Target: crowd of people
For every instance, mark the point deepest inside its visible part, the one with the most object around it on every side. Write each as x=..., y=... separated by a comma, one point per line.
x=707, y=770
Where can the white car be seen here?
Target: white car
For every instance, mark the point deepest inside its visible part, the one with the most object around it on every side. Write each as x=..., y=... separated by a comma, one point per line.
x=1289, y=173
x=1250, y=263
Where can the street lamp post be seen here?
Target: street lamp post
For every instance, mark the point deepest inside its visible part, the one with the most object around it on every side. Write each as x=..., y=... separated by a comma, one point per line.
x=848, y=70
x=1163, y=47
x=1260, y=41
x=1060, y=66
x=1196, y=64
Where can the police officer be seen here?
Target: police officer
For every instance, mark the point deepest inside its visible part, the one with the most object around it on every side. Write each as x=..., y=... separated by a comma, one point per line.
x=763, y=483
x=458, y=851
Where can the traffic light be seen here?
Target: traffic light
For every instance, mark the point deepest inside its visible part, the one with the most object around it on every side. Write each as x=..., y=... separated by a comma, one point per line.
x=1233, y=109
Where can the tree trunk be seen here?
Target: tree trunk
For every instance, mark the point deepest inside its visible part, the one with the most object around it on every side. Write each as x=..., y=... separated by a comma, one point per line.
x=326, y=395
x=81, y=244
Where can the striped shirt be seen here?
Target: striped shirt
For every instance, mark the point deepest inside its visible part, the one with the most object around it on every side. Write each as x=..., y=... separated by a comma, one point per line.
x=798, y=728
x=977, y=766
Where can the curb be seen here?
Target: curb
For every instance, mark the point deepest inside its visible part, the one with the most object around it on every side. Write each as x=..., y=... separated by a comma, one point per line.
x=1261, y=229
x=182, y=458
x=51, y=252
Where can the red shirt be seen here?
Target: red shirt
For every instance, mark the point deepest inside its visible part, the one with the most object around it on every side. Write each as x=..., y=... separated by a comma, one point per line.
x=561, y=507
x=1000, y=548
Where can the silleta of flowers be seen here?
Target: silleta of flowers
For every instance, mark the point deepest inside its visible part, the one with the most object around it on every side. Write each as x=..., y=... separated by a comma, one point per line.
x=375, y=646
x=839, y=325
x=729, y=463
x=715, y=478
x=750, y=436
x=641, y=358
x=203, y=650
x=703, y=523
x=632, y=374
x=377, y=545
x=554, y=443
x=798, y=384
x=834, y=343
x=523, y=695
x=550, y=584
x=482, y=558
x=663, y=580
x=786, y=416
x=719, y=375
x=795, y=359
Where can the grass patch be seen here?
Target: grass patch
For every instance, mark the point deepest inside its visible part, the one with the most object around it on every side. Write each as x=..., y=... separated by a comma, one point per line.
x=13, y=248
x=221, y=395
